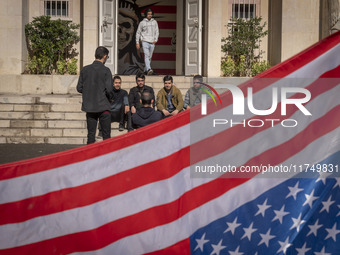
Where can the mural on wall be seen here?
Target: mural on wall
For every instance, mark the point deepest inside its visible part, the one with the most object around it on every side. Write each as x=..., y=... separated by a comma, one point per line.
x=130, y=13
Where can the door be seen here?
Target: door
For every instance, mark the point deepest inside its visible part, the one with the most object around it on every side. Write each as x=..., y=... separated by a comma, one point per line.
x=107, y=30
x=193, y=37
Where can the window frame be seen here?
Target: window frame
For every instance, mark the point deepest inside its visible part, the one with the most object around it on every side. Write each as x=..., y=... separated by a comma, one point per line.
x=54, y=17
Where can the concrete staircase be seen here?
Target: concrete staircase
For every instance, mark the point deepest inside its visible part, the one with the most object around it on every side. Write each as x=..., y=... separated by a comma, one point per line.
x=57, y=118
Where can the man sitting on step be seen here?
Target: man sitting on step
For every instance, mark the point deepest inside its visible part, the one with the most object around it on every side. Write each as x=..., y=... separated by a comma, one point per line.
x=120, y=110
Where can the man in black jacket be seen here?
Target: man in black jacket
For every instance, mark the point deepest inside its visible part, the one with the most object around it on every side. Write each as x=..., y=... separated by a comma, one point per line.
x=95, y=84
x=136, y=92
x=146, y=114
x=120, y=110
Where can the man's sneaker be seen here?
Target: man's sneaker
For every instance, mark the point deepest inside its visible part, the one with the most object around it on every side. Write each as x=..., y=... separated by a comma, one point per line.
x=150, y=72
x=121, y=128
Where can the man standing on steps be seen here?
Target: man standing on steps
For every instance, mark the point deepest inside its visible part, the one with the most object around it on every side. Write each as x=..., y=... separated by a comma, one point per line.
x=148, y=33
x=95, y=84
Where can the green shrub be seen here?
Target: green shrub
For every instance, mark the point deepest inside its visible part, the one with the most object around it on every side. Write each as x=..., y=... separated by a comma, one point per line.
x=241, y=67
x=244, y=39
x=61, y=66
x=50, y=41
x=72, y=66
x=259, y=67
x=228, y=67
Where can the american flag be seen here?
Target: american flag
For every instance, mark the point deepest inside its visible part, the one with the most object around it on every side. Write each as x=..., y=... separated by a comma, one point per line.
x=134, y=194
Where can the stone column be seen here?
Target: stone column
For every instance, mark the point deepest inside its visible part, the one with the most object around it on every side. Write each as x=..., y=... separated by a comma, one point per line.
x=213, y=38
x=90, y=30
x=12, y=38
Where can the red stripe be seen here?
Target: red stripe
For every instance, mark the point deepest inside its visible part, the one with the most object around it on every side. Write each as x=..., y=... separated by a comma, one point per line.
x=164, y=56
x=166, y=24
x=161, y=9
x=148, y=219
x=83, y=195
x=164, y=41
x=182, y=248
x=165, y=71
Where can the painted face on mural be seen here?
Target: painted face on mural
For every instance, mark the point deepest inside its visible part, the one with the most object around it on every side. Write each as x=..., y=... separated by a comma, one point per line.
x=125, y=31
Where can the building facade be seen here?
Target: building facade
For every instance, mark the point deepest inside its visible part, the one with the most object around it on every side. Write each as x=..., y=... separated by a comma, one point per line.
x=190, y=30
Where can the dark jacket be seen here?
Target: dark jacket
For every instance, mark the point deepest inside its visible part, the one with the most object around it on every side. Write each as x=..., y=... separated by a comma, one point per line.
x=120, y=98
x=145, y=116
x=135, y=94
x=95, y=84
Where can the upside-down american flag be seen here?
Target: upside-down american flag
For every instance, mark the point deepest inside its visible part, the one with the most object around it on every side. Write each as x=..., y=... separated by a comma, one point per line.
x=134, y=194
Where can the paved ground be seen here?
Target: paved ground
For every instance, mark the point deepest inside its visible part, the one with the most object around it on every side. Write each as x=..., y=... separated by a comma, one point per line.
x=16, y=152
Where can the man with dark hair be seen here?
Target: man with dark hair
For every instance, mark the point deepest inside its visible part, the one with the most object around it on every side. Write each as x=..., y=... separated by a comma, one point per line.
x=148, y=33
x=95, y=84
x=169, y=99
x=146, y=114
x=136, y=92
x=120, y=110
x=194, y=93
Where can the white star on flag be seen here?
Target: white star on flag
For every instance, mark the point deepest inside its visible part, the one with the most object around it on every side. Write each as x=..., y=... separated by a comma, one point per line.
x=236, y=252
x=232, y=226
x=309, y=199
x=280, y=214
x=293, y=191
x=327, y=204
x=297, y=223
x=302, y=250
x=337, y=182
x=322, y=252
x=263, y=208
x=266, y=238
x=201, y=242
x=217, y=248
x=248, y=231
x=314, y=228
x=332, y=232
x=284, y=246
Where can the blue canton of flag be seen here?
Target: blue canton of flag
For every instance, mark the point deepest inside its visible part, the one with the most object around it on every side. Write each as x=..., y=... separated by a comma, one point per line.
x=299, y=216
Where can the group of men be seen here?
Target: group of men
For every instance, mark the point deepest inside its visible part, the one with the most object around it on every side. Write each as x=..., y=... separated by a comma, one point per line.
x=106, y=101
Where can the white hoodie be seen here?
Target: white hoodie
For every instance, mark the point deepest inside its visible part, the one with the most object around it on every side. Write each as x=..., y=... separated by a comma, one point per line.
x=147, y=31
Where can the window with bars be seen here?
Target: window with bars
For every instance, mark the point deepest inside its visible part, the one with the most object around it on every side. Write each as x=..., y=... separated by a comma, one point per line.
x=57, y=9
x=244, y=11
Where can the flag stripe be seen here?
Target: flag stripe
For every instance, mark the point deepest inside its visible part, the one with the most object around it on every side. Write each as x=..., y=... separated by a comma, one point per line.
x=162, y=9
x=167, y=24
x=164, y=56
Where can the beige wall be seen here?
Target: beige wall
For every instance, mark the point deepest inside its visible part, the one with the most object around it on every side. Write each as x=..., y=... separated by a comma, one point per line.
x=11, y=36
x=214, y=36
x=300, y=26
x=90, y=30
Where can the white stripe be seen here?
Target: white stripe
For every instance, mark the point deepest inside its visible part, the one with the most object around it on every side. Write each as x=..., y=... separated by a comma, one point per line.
x=95, y=168
x=111, y=209
x=169, y=234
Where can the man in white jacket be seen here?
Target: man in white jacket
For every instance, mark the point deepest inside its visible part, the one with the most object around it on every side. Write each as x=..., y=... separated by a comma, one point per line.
x=148, y=33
